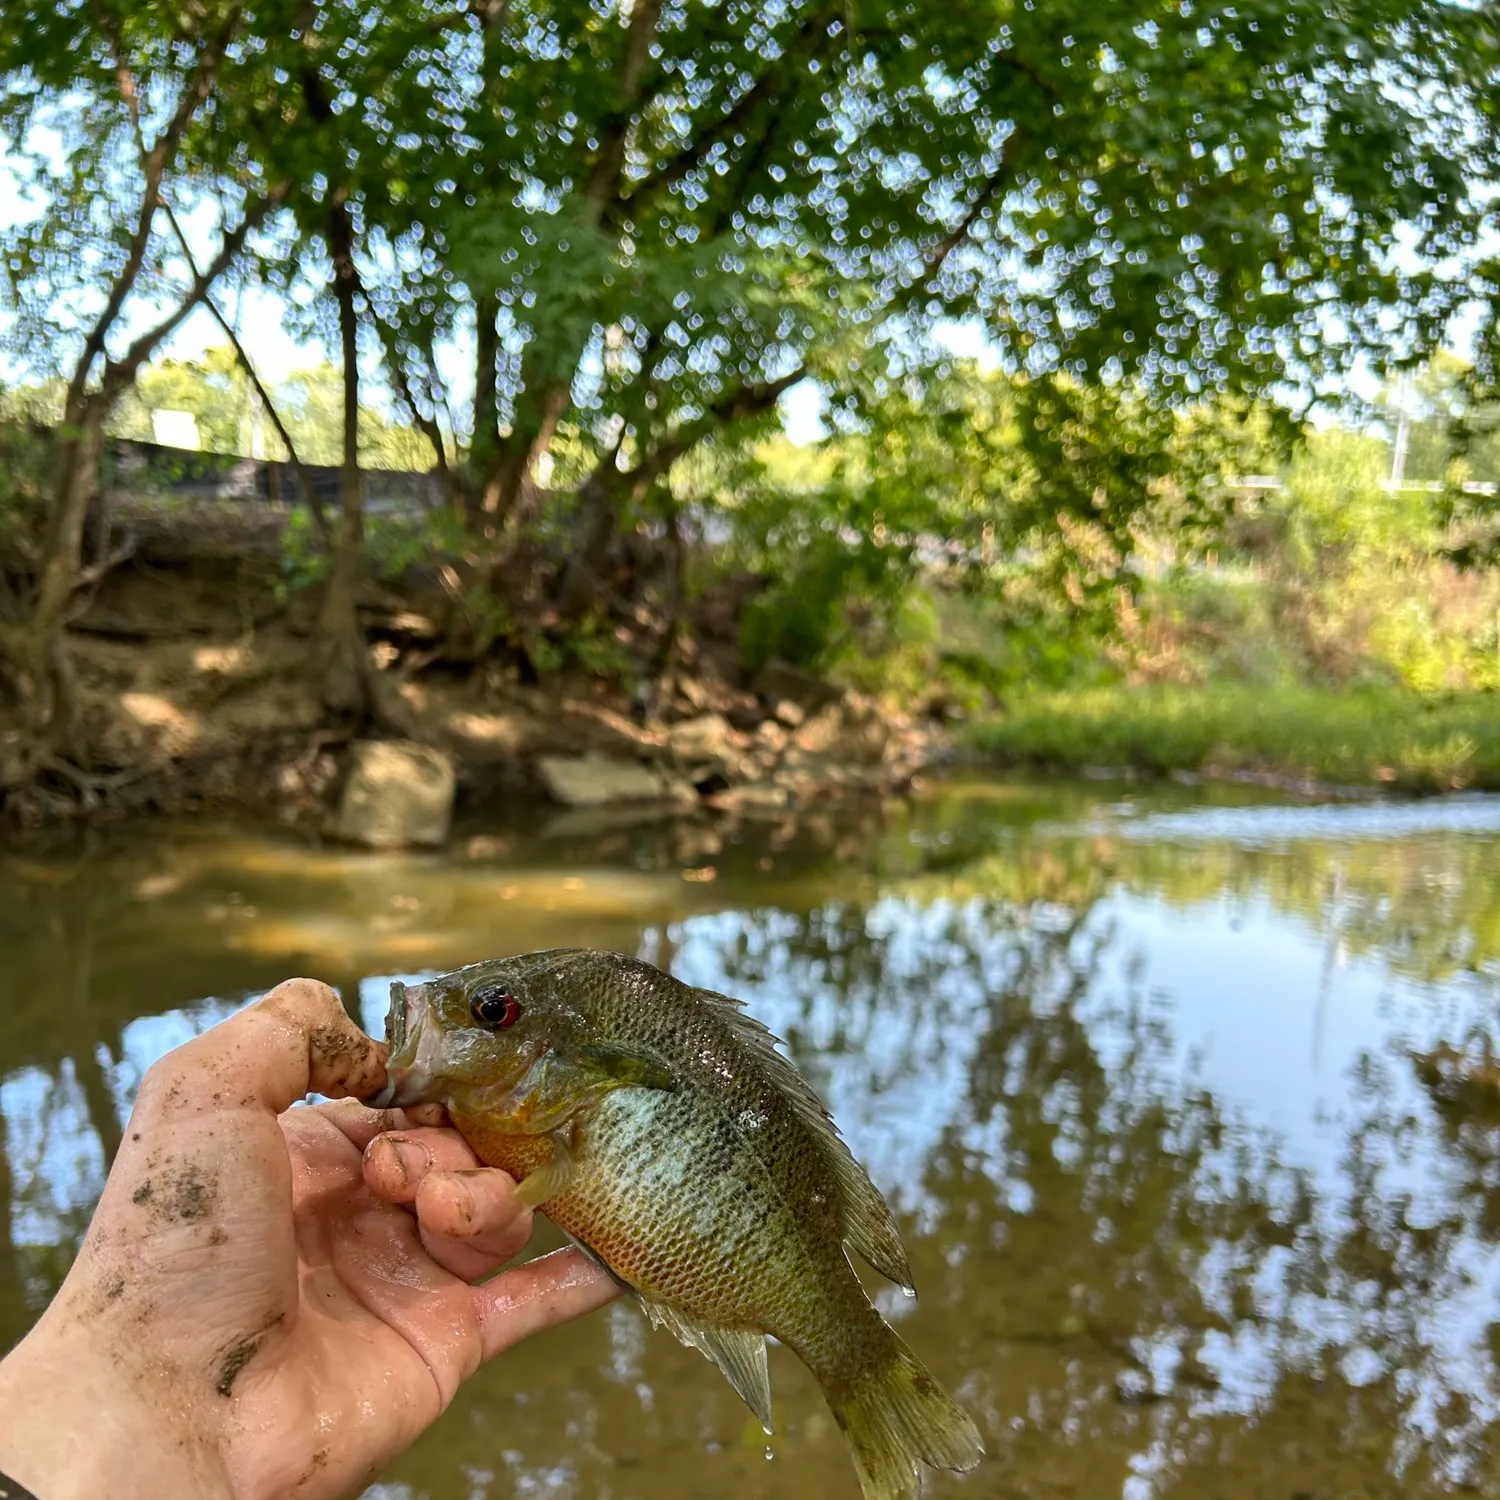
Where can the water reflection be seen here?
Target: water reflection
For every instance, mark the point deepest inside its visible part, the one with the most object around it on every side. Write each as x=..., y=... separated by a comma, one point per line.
x=1190, y=1115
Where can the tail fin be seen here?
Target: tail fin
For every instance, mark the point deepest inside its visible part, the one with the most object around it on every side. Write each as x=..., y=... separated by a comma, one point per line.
x=899, y=1417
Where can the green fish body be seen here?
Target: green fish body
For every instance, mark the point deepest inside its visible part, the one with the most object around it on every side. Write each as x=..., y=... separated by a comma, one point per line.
x=665, y=1133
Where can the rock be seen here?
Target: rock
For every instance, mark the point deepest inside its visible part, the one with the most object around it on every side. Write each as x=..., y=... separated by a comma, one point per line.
x=756, y=767
x=865, y=740
x=789, y=713
x=757, y=799
x=676, y=788
x=821, y=732
x=772, y=736
x=746, y=716
x=704, y=741
x=794, y=783
x=488, y=739
x=398, y=794
x=594, y=727
x=597, y=780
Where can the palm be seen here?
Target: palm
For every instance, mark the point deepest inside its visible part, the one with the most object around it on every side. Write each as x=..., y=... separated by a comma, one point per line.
x=375, y=1338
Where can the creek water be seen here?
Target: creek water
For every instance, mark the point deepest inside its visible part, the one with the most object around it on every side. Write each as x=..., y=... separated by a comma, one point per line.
x=1187, y=1099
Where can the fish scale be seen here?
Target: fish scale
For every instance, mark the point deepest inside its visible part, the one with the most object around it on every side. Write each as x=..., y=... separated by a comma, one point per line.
x=677, y=1144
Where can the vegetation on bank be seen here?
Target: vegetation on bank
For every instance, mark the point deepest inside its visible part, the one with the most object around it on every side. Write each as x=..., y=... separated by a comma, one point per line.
x=1338, y=632
x=1368, y=736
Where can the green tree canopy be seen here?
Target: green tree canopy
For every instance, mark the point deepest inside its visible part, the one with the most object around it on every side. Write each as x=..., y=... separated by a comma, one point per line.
x=659, y=216
x=649, y=219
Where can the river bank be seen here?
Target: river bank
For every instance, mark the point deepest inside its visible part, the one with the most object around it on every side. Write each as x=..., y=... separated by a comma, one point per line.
x=197, y=686
x=202, y=722
x=202, y=699
x=1377, y=738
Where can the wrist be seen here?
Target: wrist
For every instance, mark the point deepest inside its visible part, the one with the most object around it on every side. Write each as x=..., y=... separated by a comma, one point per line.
x=76, y=1424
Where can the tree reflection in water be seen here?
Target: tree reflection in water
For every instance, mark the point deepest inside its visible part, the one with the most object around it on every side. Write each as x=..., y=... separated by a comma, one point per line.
x=1194, y=1205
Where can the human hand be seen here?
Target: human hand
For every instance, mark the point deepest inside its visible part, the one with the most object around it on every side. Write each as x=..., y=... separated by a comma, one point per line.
x=272, y=1301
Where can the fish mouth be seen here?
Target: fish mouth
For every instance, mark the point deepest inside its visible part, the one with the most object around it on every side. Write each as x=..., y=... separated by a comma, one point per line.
x=415, y=1042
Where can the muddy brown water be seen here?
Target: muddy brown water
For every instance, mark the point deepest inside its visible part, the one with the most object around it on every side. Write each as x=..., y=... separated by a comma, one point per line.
x=1145, y=1073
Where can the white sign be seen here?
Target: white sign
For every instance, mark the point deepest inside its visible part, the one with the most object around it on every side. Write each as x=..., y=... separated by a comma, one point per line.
x=175, y=429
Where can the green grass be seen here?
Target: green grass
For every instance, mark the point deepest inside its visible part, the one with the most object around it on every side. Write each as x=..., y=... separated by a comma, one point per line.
x=1348, y=737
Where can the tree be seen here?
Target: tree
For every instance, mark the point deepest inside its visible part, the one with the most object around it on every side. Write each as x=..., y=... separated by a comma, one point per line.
x=656, y=219
x=1006, y=484
x=90, y=277
x=322, y=103
x=214, y=389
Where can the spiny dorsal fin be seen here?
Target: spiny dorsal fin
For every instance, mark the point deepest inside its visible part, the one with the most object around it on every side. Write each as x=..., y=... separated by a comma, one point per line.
x=867, y=1221
x=740, y=1355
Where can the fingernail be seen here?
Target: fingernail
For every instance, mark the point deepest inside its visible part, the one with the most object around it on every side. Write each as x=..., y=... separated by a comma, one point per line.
x=413, y=1158
x=463, y=1203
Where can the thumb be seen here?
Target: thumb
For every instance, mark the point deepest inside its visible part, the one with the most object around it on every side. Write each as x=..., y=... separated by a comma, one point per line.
x=295, y=1040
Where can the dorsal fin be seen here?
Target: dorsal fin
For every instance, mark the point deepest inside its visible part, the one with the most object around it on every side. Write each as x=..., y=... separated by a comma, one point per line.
x=867, y=1222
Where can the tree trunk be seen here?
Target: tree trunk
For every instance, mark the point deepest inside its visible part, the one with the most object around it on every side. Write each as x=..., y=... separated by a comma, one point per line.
x=606, y=492
x=35, y=654
x=85, y=1031
x=510, y=481
x=600, y=501
x=343, y=644
x=661, y=658
x=484, y=451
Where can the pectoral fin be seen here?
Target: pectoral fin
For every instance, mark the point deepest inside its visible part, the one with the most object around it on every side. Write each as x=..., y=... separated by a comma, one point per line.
x=548, y=1181
x=623, y=1068
x=741, y=1355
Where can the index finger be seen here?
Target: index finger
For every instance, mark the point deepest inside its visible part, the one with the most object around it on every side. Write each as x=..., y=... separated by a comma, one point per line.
x=296, y=1040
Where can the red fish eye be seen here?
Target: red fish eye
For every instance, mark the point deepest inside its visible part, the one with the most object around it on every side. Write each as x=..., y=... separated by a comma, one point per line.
x=493, y=1008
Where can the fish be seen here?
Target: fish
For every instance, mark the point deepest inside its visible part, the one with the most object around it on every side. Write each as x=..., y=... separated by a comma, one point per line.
x=658, y=1126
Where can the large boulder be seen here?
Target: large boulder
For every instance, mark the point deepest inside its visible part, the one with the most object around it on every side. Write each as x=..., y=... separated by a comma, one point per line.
x=597, y=780
x=398, y=794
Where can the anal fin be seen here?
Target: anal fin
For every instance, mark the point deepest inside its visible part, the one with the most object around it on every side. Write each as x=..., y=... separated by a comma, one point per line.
x=739, y=1354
